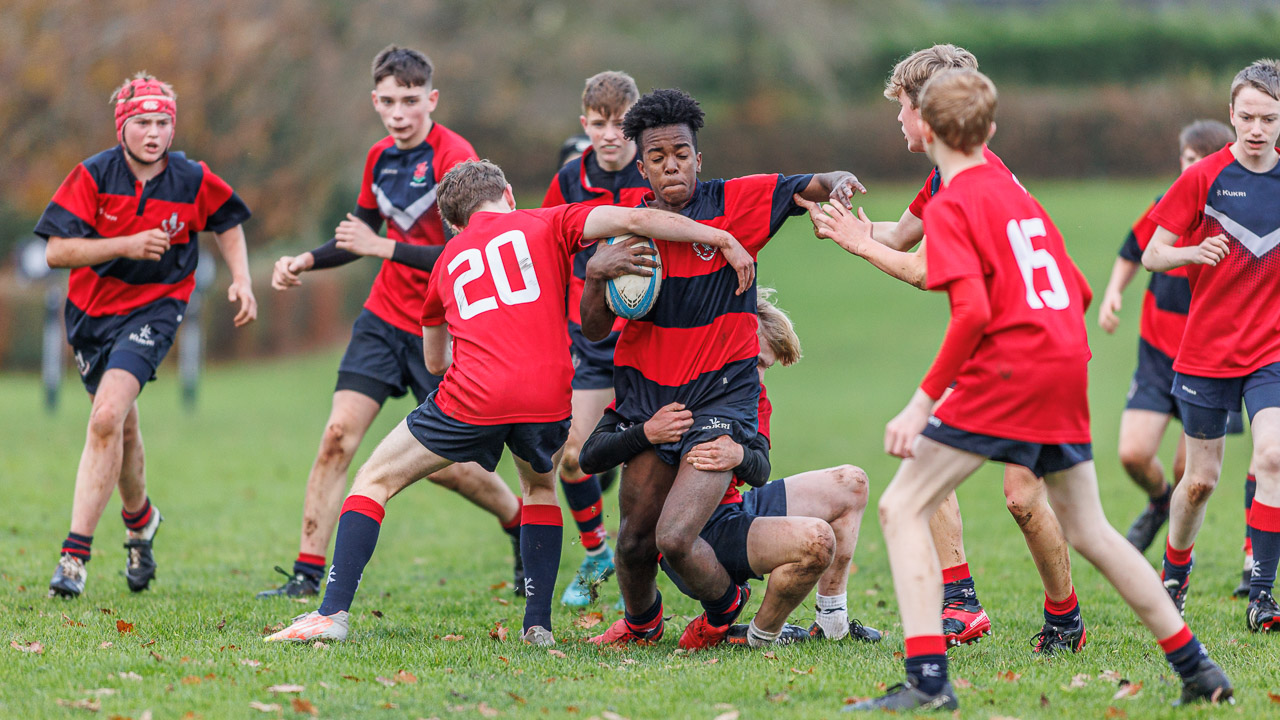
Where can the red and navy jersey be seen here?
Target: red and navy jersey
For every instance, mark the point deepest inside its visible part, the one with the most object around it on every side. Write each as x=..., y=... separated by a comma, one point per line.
x=1028, y=376
x=934, y=183
x=1168, y=297
x=582, y=180
x=765, y=411
x=401, y=186
x=1233, y=322
x=102, y=199
x=698, y=345
x=499, y=285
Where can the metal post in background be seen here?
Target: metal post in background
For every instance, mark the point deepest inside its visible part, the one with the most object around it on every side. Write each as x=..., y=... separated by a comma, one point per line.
x=191, y=332
x=33, y=268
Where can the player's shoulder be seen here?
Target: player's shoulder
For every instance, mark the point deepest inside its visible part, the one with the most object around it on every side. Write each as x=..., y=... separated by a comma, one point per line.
x=377, y=149
x=108, y=171
x=186, y=168
x=444, y=139
x=1210, y=166
x=569, y=173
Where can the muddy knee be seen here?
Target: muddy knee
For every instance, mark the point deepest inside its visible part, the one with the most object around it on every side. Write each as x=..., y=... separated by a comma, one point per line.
x=818, y=543
x=338, y=443
x=106, y=421
x=853, y=483
x=1198, y=488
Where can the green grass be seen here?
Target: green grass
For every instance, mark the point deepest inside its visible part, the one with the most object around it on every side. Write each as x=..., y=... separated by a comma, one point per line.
x=230, y=476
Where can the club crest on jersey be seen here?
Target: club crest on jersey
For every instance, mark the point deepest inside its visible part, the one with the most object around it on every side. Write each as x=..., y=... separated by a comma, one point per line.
x=705, y=252
x=419, y=175
x=172, y=225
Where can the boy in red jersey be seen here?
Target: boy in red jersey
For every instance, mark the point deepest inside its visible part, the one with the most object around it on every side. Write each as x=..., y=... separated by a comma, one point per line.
x=384, y=357
x=1226, y=209
x=1151, y=404
x=125, y=221
x=1017, y=352
x=605, y=174
x=497, y=301
x=697, y=347
x=963, y=618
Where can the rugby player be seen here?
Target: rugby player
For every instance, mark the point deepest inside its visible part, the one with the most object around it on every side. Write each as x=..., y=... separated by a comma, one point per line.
x=963, y=618
x=1227, y=210
x=605, y=174
x=384, y=357
x=1017, y=353
x=696, y=347
x=125, y=222
x=494, y=324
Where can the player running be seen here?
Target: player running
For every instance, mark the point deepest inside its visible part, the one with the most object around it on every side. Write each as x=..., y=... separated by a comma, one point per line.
x=1227, y=209
x=1150, y=402
x=605, y=174
x=696, y=347
x=125, y=222
x=1018, y=354
x=494, y=325
x=801, y=531
x=963, y=618
x=384, y=357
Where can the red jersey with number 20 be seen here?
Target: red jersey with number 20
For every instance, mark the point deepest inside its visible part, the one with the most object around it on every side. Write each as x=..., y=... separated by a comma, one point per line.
x=500, y=286
x=1028, y=376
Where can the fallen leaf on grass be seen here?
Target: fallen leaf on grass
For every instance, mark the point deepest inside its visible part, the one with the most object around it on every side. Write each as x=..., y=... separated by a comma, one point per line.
x=1274, y=697
x=406, y=677
x=221, y=624
x=319, y=645
x=386, y=681
x=731, y=715
x=961, y=683
x=628, y=661
x=129, y=676
x=92, y=705
x=250, y=663
x=390, y=706
x=123, y=627
x=151, y=642
x=1009, y=676
x=500, y=586
x=504, y=659
x=286, y=688
x=499, y=632
x=32, y=647
x=556, y=653
x=157, y=656
x=1078, y=681
x=778, y=697
x=376, y=613
x=106, y=644
x=1044, y=700
x=1110, y=676
x=771, y=655
x=264, y=707
x=486, y=711
x=1115, y=712
x=304, y=706
x=191, y=680
x=588, y=620
x=106, y=611
x=352, y=678
x=101, y=691
x=855, y=699
x=501, y=601
x=68, y=621
x=517, y=698
x=1127, y=690
x=897, y=655
x=453, y=638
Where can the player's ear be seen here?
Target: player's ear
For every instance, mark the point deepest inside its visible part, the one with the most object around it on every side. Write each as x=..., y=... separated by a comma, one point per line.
x=373, y=95
x=697, y=168
x=992, y=132
x=510, y=196
x=433, y=97
x=582, y=120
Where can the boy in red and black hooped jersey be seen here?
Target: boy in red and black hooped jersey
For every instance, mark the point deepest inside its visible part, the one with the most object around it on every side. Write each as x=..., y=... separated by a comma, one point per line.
x=384, y=357
x=1220, y=221
x=605, y=174
x=698, y=348
x=125, y=221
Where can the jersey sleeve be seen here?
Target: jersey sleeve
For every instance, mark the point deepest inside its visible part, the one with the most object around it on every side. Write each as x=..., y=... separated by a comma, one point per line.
x=453, y=152
x=922, y=198
x=219, y=206
x=950, y=252
x=366, y=199
x=1139, y=236
x=1180, y=208
x=570, y=221
x=783, y=205
x=74, y=206
x=433, y=303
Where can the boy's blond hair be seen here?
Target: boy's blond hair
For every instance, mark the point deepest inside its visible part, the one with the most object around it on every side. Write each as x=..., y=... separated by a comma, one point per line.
x=959, y=106
x=609, y=93
x=912, y=72
x=776, y=328
x=1263, y=75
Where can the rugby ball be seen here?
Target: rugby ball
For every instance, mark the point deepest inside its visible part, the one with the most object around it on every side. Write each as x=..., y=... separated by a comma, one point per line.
x=633, y=296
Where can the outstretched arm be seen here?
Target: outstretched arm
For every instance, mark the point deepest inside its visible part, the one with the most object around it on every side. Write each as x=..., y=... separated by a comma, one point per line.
x=1162, y=255
x=235, y=253
x=838, y=187
x=854, y=234
x=64, y=252
x=902, y=235
x=1122, y=272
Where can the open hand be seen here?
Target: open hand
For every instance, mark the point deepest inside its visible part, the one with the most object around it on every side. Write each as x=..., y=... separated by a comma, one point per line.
x=242, y=291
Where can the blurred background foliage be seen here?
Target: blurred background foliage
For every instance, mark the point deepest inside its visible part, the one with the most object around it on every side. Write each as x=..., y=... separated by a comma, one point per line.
x=274, y=95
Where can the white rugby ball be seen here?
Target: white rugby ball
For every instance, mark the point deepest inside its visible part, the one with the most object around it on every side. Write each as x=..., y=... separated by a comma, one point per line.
x=633, y=296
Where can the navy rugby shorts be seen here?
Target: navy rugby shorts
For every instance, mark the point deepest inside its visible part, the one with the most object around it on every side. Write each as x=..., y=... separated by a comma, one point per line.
x=535, y=443
x=136, y=343
x=1039, y=458
x=384, y=361
x=1206, y=403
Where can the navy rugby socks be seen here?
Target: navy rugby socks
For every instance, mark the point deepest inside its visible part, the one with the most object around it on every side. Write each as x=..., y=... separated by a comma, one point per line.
x=78, y=546
x=1177, y=563
x=358, y=528
x=1183, y=651
x=927, y=663
x=512, y=527
x=137, y=520
x=725, y=609
x=1264, y=531
x=310, y=565
x=1064, y=613
x=584, y=500
x=957, y=584
x=541, y=532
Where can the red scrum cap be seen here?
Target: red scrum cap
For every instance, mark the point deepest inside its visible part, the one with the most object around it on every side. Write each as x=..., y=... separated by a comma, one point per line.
x=143, y=96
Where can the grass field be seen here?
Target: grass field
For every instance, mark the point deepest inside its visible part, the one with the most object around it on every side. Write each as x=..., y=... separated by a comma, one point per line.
x=230, y=476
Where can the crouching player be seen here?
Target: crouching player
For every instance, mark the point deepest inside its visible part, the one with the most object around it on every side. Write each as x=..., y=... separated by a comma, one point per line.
x=498, y=294
x=125, y=221
x=801, y=531
x=1017, y=350
x=1227, y=210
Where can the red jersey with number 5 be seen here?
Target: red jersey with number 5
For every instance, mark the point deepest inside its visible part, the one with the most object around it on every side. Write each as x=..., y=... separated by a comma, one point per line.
x=1028, y=376
x=500, y=286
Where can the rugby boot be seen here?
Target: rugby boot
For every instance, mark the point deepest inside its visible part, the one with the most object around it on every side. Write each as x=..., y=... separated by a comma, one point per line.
x=1145, y=527
x=790, y=635
x=595, y=569
x=700, y=634
x=68, y=577
x=1053, y=638
x=1263, y=614
x=517, y=567
x=1178, y=592
x=964, y=622
x=1242, y=590
x=905, y=696
x=140, y=569
x=314, y=626
x=619, y=634
x=298, y=585
x=1208, y=682
x=857, y=631
x=538, y=636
